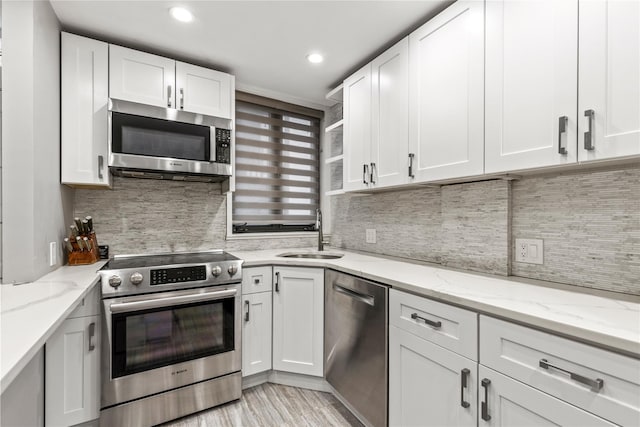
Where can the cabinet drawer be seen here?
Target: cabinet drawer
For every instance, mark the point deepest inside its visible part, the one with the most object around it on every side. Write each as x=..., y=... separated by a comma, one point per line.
x=90, y=304
x=450, y=327
x=256, y=279
x=519, y=352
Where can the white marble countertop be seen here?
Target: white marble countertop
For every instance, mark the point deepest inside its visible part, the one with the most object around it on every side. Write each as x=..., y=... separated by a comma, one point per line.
x=31, y=312
x=608, y=322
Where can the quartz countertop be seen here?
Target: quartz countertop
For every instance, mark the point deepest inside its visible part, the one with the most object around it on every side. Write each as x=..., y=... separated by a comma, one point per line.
x=608, y=321
x=31, y=312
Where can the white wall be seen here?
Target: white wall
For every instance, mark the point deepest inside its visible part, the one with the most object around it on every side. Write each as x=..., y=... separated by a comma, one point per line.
x=36, y=208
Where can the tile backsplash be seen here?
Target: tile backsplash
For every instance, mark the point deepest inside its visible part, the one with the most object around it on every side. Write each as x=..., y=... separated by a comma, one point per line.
x=589, y=222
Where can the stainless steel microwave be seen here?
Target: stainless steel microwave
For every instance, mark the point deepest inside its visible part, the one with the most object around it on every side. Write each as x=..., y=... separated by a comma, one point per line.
x=164, y=143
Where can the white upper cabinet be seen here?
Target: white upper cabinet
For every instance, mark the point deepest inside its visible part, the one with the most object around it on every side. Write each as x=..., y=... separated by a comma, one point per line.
x=141, y=77
x=531, y=81
x=203, y=90
x=446, y=96
x=390, y=110
x=83, y=116
x=357, y=129
x=609, y=78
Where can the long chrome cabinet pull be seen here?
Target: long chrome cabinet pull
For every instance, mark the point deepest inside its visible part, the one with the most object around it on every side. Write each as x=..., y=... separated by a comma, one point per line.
x=562, y=128
x=485, y=404
x=169, y=96
x=181, y=98
x=277, y=281
x=411, y=156
x=373, y=173
x=246, y=314
x=596, y=384
x=92, y=334
x=588, y=135
x=100, y=166
x=464, y=374
x=436, y=325
x=365, y=172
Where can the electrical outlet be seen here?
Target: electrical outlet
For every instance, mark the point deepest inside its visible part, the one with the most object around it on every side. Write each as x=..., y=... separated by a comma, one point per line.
x=53, y=253
x=529, y=251
x=370, y=235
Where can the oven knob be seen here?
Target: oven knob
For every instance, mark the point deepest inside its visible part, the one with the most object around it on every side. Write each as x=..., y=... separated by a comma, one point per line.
x=115, y=281
x=136, y=278
x=233, y=269
x=216, y=271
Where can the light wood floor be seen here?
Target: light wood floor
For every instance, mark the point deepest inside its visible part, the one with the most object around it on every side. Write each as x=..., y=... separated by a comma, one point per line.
x=274, y=405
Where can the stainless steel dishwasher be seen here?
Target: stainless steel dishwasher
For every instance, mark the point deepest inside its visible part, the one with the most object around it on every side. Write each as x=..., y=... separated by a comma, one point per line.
x=355, y=344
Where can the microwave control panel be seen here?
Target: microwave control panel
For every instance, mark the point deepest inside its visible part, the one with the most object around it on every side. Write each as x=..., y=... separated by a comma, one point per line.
x=223, y=145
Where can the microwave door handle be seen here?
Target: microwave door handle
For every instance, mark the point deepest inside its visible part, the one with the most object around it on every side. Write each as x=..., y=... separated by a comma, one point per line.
x=212, y=145
x=125, y=307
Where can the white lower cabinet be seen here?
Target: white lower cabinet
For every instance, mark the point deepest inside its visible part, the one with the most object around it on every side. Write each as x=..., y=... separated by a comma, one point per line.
x=72, y=372
x=256, y=333
x=507, y=402
x=298, y=320
x=429, y=385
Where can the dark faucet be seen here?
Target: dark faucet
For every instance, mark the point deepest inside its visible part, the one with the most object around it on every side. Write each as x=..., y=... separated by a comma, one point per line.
x=321, y=241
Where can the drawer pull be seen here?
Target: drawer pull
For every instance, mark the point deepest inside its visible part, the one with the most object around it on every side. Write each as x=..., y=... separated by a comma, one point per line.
x=464, y=374
x=596, y=384
x=256, y=281
x=485, y=405
x=247, y=304
x=436, y=325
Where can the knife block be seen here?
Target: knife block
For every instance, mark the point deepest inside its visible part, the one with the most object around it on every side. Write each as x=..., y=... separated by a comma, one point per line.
x=77, y=257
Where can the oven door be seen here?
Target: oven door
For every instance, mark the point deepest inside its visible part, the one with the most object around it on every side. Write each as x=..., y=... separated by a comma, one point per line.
x=158, y=342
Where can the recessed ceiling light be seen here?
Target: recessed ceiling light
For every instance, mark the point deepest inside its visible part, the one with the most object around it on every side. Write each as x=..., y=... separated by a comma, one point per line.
x=315, y=58
x=181, y=14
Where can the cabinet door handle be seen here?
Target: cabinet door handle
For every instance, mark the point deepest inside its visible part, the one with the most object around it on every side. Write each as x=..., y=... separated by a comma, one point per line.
x=100, y=166
x=373, y=169
x=464, y=374
x=485, y=405
x=246, y=314
x=411, y=156
x=181, y=98
x=562, y=128
x=92, y=334
x=596, y=384
x=588, y=135
x=277, y=281
x=437, y=324
x=365, y=172
x=169, y=96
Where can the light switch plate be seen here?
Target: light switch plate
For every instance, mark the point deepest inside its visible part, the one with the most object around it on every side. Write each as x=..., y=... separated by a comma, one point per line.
x=529, y=251
x=370, y=235
x=53, y=253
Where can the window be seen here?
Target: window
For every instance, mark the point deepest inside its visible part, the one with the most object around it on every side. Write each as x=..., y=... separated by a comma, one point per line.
x=277, y=166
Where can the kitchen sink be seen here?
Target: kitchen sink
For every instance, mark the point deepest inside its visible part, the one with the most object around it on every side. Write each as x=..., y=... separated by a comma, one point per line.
x=313, y=255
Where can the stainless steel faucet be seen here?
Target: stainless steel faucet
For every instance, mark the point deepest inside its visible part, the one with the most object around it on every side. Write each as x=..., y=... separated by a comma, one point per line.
x=321, y=241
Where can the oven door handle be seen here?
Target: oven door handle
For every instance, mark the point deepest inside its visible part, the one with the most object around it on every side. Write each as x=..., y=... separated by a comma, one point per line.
x=124, y=307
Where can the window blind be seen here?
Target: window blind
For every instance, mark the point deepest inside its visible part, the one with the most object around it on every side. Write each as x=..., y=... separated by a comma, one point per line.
x=277, y=169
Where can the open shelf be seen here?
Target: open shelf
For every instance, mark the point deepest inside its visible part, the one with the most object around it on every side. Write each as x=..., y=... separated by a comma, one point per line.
x=335, y=94
x=334, y=192
x=334, y=159
x=334, y=126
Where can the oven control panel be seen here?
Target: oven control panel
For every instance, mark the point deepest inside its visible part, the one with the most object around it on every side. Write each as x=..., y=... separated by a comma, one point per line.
x=163, y=276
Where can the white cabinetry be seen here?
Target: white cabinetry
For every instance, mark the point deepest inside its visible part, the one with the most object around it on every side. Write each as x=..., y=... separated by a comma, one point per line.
x=531, y=81
x=446, y=101
x=578, y=384
x=609, y=66
x=72, y=361
x=375, y=121
x=155, y=80
x=432, y=363
x=83, y=117
x=256, y=326
x=298, y=320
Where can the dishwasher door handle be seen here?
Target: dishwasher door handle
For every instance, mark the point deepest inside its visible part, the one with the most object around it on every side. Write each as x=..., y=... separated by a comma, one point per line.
x=367, y=299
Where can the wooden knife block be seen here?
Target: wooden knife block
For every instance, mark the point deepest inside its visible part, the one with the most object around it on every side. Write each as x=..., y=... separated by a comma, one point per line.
x=85, y=257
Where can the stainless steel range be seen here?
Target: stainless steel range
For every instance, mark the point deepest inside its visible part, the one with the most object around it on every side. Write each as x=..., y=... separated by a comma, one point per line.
x=171, y=336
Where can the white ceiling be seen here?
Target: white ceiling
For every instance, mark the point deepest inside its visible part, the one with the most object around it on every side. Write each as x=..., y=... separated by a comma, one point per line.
x=263, y=43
